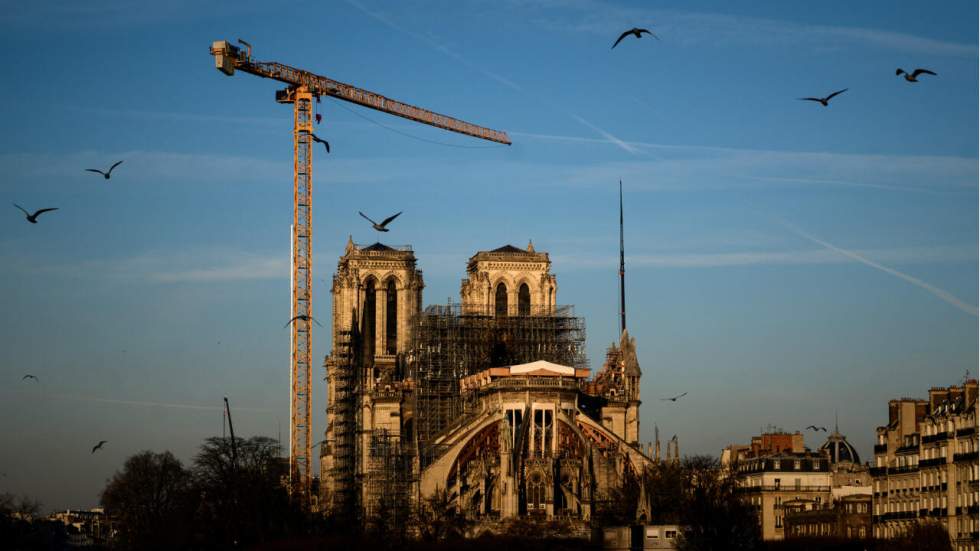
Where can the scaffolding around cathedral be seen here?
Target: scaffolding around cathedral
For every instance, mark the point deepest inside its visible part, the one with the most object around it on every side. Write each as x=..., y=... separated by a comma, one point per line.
x=343, y=409
x=449, y=344
x=389, y=480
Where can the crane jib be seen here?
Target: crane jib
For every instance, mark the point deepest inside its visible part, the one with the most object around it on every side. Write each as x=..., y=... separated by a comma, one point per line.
x=325, y=86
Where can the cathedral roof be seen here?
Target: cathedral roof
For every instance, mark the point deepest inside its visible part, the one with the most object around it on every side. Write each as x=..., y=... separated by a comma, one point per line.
x=377, y=247
x=508, y=249
x=542, y=367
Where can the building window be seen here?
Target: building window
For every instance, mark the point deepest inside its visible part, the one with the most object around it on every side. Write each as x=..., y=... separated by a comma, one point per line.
x=391, y=319
x=536, y=491
x=776, y=483
x=370, y=318
x=524, y=300
x=500, y=300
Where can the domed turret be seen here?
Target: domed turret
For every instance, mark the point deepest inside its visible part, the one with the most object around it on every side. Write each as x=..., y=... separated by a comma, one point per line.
x=839, y=449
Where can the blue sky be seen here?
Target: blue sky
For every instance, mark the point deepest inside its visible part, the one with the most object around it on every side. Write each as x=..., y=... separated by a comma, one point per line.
x=784, y=260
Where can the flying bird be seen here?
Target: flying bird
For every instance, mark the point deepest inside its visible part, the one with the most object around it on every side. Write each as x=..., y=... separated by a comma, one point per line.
x=635, y=31
x=674, y=399
x=823, y=101
x=28, y=376
x=107, y=173
x=317, y=139
x=32, y=218
x=381, y=226
x=816, y=428
x=915, y=73
x=99, y=445
x=303, y=317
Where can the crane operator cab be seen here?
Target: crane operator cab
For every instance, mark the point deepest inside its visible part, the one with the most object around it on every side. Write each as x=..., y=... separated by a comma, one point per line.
x=225, y=55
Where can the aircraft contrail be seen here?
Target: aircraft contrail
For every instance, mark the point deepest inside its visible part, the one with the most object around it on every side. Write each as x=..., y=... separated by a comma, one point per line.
x=141, y=402
x=435, y=45
x=622, y=145
x=490, y=74
x=943, y=295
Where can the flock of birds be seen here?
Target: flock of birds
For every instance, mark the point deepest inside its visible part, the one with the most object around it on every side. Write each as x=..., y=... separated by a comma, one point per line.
x=383, y=225
x=824, y=101
x=107, y=174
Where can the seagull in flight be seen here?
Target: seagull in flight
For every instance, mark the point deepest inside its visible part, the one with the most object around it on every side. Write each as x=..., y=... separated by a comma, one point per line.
x=674, y=399
x=915, y=73
x=32, y=218
x=816, y=428
x=635, y=31
x=99, y=445
x=381, y=226
x=823, y=101
x=303, y=317
x=107, y=173
x=317, y=139
x=28, y=376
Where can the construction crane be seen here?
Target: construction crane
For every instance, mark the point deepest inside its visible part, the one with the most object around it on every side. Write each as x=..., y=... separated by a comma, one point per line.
x=302, y=88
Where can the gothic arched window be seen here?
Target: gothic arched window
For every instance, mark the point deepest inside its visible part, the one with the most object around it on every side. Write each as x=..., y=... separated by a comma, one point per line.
x=370, y=318
x=500, y=300
x=524, y=301
x=391, y=318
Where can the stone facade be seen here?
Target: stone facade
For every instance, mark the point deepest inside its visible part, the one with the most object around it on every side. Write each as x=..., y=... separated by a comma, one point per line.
x=926, y=465
x=377, y=292
x=463, y=401
x=848, y=517
x=508, y=281
x=777, y=474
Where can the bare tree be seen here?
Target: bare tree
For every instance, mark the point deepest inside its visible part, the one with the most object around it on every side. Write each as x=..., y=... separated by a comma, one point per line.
x=438, y=519
x=714, y=515
x=149, y=496
x=243, y=500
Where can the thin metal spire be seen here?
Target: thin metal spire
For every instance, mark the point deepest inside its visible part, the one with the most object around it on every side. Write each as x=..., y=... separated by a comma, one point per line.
x=622, y=266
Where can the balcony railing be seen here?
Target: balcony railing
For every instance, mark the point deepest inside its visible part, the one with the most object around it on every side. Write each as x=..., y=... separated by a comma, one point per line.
x=878, y=471
x=939, y=436
x=881, y=448
x=901, y=515
x=965, y=457
x=932, y=462
x=784, y=488
x=902, y=470
x=528, y=382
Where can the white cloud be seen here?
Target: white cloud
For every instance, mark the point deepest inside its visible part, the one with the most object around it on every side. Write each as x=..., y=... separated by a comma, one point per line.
x=686, y=27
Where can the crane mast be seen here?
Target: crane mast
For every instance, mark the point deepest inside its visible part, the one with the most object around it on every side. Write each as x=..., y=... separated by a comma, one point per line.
x=302, y=88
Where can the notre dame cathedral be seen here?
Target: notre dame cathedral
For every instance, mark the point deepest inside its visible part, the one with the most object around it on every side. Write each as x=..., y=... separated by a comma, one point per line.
x=489, y=401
